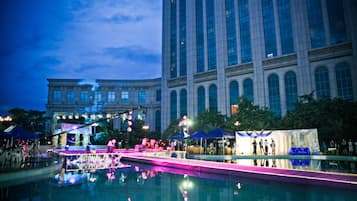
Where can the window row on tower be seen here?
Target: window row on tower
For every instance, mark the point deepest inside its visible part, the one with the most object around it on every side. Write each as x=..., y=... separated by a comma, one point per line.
x=325, y=24
x=341, y=73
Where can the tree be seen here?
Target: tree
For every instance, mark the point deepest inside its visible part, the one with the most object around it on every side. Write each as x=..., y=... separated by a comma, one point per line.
x=172, y=129
x=31, y=120
x=251, y=117
x=207, y=121
x=334, y=118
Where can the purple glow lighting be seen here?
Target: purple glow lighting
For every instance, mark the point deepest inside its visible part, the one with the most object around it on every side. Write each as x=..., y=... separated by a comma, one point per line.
x=72, y=180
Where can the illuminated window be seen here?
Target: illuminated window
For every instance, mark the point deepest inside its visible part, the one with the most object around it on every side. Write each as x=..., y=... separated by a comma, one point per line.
x=124, y=96
x=97, y=97
x=111, y=96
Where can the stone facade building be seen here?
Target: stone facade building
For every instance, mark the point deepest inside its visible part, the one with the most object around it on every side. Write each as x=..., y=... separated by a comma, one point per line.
x=93, y=100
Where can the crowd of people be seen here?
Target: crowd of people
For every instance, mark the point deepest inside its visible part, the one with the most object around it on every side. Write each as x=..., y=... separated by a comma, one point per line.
x=340, y=148
x=14, y=152
x=264, y=146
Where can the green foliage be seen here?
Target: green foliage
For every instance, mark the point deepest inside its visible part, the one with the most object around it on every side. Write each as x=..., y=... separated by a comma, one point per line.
x=172, y=129
x=129, y=138
x=207, y=121
x=251, y=117
x=31, y=120
x=334, y=118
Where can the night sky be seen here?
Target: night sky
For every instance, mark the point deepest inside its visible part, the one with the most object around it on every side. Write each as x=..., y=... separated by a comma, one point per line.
x=81, y=39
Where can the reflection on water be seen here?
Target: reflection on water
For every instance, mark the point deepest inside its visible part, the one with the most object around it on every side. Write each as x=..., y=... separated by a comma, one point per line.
x=157, y=183
x=303, y=164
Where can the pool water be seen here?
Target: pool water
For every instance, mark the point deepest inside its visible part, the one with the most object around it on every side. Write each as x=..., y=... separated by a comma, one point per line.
x=340, y=165
x=156, y=183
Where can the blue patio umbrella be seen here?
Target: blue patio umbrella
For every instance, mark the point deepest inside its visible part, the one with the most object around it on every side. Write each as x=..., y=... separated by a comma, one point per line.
x=219, y=133
x=198, y=135
x=3, y=134
x=17, y=132
x=179, y=136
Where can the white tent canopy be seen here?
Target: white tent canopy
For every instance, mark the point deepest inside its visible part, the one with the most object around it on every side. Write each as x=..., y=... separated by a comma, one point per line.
x=284, y=140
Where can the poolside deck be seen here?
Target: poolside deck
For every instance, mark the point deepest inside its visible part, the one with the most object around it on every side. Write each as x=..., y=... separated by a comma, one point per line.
x=331, y=179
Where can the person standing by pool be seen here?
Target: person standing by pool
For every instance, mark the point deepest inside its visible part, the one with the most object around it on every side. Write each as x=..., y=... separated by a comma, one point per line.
x=350, y=147
x=273, y=145
x=261, y=147
x=109, y=146
x=254, y=147
x=266, y=145
x=113, y=145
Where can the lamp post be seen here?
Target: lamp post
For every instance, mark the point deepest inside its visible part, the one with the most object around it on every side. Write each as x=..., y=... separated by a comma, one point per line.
x=185, y=124
x=129, y=129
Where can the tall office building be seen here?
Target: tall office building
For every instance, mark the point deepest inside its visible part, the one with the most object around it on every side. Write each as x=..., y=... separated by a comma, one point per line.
x=270, y=51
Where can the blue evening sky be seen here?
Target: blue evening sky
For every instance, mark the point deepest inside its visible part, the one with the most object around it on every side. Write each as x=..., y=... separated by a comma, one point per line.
x=84, y=39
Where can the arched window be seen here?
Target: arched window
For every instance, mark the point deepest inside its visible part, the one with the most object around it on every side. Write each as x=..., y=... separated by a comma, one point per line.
x=233, y=93
x=322, y=83
x=183, y=102
x=212, y=91
x=274, y=94
x=290, y=90
x=157, y=120
x=344, y=81
x=201, y=103
x=173, y=106
x=248, y=89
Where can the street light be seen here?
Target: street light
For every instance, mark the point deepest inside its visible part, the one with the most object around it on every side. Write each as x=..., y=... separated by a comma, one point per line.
x=185, y=123
x=7, y=118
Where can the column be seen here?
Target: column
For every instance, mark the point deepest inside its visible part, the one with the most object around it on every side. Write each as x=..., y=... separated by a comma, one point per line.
x=191, y=57
x=301, y=41
x=257, y=40
x=220, y=56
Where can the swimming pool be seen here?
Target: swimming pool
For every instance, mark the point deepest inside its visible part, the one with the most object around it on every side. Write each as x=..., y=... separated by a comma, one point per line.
x=157, y=183
x=323, y=163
